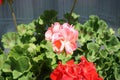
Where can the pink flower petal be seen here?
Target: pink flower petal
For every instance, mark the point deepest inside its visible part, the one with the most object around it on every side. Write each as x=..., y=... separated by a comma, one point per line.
x=56, y=27
x=58, y=46
x=48, y=35
x=63, y=37
x=70, y=47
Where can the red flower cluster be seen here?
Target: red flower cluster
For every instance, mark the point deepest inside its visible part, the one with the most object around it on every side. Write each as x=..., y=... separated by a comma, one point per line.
x=1, y=2
x=70, y=71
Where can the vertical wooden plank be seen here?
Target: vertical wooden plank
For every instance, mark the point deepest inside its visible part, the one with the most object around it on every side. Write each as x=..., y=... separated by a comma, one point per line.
x=60, y=8
x=67, y=5
x=23, y=9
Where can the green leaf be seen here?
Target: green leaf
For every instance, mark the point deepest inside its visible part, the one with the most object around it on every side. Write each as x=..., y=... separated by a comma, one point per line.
x=24, y=64
x=50, y=54
x=1, y=51
x=93, y=47
x=104, y=53
x=41, y=21
x=118, y=54
x=64, y=58
x=47, y=45
x=10, y=39
x=18, y=51
x=31, y=76
x=21, y=64
x=28, y=30
x=92, y=56
x=117, y=73
x=22, y=29
x=102, y=26
x=113, y=44
x=28, y=76
x=7, y=67
x=52, y=57
x=39, y=57
x=16, y=74
x=119, y=31
x=32, y=48
x=111, y=31
x=49, y=17
x=93, y=22
x=3, y=58
x=23, y=78
x=78, y=26
x=71, y=18
x=75, y=16
x=1, y=78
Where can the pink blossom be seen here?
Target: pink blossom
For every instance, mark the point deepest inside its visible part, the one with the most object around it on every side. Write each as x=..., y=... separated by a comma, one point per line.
x=63, y=37
x=51, y=30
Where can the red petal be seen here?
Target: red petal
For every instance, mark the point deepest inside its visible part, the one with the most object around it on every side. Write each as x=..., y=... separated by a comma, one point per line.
x=71, y=62
x=0, y=2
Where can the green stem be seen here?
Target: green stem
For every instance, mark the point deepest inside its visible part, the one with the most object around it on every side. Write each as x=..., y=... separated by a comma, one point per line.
x=46, y=77
x=75, y=1
x=80, y=49
x=13, y=15
x=40, y=68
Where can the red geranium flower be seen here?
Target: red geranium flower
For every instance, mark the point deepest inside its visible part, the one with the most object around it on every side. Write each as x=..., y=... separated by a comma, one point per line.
x=70, y=71
x=1, y=2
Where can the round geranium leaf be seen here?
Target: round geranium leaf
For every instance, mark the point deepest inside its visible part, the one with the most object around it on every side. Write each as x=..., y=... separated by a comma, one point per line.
x=10, y=39
x=93, y=47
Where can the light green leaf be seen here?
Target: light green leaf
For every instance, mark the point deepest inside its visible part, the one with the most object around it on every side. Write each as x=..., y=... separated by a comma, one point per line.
x=16, y=74
x=22, y=29
x=39, y=57
x=1, y=78
x=113, y=44
x=117, y=73
x=104, y=53
x=17, y=51
x=32, y=48
x=50, y=54
x=28, y=76
x=47, y=45
x=21, y=64
x=119, y=31
x=75, y=16
x=92, y=56
x=64, y=58
x=7, y=67
x=23, y=78
x=24, y=64
x=93, y=47
x=10, y=39
x=3, y=58
x=41, y=21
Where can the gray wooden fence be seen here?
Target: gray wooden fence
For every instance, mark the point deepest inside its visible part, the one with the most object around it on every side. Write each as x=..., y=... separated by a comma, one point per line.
x=27, y=10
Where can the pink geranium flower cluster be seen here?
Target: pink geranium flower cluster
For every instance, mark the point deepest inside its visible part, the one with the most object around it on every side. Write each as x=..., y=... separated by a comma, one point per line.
x=63, y=37
x=70, y=71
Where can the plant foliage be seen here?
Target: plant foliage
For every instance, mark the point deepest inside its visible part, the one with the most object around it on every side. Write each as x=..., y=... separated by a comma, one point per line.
x=31, y=57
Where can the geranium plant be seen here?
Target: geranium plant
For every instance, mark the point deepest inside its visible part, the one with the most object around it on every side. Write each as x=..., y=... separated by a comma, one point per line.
x=50, y=48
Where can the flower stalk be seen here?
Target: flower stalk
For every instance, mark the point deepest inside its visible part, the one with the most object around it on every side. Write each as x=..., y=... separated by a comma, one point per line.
x=13, y=14
x=73, y=7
